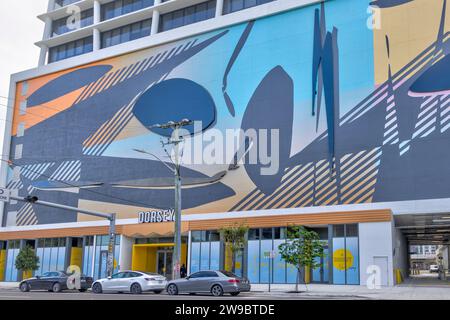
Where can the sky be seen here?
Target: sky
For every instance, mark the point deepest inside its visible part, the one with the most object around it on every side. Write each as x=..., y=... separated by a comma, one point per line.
x=19, y=30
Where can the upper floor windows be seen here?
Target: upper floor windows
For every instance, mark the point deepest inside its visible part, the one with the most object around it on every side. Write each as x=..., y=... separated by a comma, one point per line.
x=230, y=6
x=121, y=7
x=63, y=3
x=126, y=33
x=65, y=25
x=202, y=11
x=70, y=49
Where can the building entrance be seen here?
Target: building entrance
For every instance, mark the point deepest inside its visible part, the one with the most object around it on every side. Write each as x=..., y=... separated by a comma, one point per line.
x=164, y=260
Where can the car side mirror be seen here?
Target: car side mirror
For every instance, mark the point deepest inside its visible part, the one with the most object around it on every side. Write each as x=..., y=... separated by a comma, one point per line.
x=109, y=278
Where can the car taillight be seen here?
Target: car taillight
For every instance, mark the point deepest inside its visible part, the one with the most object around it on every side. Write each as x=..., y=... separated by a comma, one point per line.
x=149, y=279
x=234, y=281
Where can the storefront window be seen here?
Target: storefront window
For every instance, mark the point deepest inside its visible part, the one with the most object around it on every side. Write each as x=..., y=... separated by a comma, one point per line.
x=345, y=254
x=88, y=252
x=11, y=272
x=52, y=255
x=205, y=251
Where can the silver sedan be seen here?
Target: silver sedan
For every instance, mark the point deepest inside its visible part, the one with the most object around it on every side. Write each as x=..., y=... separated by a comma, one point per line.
x=135, y=282
x=215, y=282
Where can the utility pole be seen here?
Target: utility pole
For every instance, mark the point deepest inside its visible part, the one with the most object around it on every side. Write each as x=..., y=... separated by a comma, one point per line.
x=176, y=140
x=110, y=216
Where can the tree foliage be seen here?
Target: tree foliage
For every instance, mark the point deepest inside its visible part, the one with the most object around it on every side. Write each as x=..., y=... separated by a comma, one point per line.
x=302, y=250
x=27, y=260
x=234, y=239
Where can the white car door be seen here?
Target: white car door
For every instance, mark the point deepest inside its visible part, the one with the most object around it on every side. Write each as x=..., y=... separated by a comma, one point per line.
x=113, y=283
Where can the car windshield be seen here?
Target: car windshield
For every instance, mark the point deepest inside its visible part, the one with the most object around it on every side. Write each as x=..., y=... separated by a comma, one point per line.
x=229, y=274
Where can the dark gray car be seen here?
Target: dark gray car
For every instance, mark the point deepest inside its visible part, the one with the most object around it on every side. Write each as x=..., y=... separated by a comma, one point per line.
x=215, y=282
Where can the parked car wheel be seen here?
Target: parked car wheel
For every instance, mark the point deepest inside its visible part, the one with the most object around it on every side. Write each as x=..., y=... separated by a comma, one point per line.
x=136, y=288
x=172, y=290
x=217, y=291
x=24, y=287
x=97, y=288
x=235, y=294
x=56, y=287
x=157, y=292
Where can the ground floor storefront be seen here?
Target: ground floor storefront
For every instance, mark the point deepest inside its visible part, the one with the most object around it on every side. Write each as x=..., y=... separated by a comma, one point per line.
x=353, y=243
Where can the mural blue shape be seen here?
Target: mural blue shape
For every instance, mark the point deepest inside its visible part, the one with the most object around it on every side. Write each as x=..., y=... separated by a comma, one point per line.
x=325, y=76
x=175, y=100
x=388, y=3
x=66, y=84
x=435, y=80
x=271, y=107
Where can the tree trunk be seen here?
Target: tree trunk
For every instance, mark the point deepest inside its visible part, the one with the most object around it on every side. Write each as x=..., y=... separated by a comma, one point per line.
x=298, y=280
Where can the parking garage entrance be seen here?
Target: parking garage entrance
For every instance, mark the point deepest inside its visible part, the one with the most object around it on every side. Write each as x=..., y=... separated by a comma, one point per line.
x=427, y=239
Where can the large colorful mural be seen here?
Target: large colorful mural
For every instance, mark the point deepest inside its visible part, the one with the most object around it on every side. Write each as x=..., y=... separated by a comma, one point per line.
x=362, y=110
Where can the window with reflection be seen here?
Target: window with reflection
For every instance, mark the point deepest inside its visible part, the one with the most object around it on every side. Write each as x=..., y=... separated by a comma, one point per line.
x=64, y=25
x=70, y=49
x=230, y=6
x=182, y=17
x=126, y=33
x=120, y=7
x=205, y=251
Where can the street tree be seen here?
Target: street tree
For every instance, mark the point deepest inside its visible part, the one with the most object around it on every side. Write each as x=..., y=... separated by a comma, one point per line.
x=303, y=249
x=235, y=241
x=27, y=260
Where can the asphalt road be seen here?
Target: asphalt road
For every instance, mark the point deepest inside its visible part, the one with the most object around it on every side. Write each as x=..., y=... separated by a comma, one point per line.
x=13, y=294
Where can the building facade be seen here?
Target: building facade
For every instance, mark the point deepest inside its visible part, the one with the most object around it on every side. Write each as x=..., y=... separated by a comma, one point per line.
x=341, y=109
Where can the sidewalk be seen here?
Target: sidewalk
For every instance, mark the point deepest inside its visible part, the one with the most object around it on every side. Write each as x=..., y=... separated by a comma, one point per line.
x=401, y=292
x=9, y=285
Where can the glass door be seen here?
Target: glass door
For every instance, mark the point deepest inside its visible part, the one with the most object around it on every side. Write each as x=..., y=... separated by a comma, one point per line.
x=164, y=263
x=320, y=274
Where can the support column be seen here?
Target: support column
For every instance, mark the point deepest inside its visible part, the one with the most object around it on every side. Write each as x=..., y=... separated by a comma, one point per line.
x=96, y=39
x=43, y=55
x=155, y=22
x=97, y=12
x=155, y=18
x=219, y=8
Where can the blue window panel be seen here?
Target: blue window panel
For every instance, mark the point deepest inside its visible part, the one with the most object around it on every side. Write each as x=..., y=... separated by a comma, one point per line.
x=126, y=33
x=204, y=256
x=46, y=260
x=215, y=256
x=253, y=261
x=70, y=49
x=266, y=246
x=279, y=265
x=121, y=7
x=338, y=261
x=230, y=6
x=182, y=17
x=195, y=257
x=353, y=270
x=239, y=263
x=316, y=277
x=61, y=260
x=326, y=267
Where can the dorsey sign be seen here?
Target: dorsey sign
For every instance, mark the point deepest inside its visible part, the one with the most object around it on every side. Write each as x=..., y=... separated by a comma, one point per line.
x=157, y=216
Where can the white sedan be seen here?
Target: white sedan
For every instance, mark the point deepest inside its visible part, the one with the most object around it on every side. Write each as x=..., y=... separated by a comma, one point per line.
x=135, y=282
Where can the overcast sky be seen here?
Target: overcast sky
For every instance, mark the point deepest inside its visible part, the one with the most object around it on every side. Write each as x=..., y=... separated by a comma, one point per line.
x=19, y=30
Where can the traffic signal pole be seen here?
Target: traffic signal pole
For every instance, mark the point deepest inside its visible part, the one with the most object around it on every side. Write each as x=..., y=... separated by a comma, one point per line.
x=109, y=216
